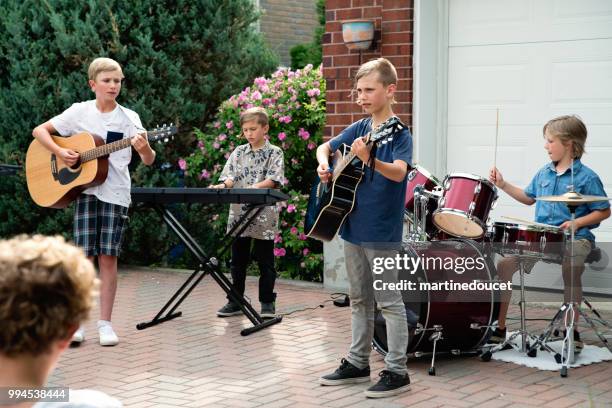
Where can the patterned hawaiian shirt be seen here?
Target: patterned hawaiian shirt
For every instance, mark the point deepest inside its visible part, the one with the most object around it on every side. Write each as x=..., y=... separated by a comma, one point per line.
x=246, y=167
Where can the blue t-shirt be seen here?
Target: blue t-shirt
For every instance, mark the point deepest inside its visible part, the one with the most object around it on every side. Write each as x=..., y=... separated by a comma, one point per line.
x=378, y=213
x=548, y=182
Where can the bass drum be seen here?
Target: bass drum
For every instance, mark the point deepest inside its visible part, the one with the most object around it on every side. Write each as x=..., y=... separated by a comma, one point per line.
x=455, y=311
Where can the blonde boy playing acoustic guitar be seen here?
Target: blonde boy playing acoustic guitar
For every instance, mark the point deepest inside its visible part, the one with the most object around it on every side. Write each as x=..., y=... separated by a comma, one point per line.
x=101, y=212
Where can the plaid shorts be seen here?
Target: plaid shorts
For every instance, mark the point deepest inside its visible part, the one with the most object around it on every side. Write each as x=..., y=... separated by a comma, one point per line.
x=99, y=226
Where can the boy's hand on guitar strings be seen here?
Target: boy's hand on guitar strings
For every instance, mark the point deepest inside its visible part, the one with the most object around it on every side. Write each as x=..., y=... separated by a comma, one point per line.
x=361, y=150
x=70, y=157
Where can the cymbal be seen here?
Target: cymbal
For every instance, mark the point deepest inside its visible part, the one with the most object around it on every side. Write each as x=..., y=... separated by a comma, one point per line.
x=572, y=197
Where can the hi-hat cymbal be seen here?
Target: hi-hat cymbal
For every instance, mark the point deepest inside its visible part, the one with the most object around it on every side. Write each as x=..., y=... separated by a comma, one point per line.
x=572, y=197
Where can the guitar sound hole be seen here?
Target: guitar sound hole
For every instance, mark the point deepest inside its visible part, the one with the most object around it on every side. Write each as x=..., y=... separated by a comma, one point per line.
x=76, y=165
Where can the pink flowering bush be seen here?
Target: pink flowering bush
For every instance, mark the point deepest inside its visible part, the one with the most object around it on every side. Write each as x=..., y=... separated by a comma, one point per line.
x=295, y=102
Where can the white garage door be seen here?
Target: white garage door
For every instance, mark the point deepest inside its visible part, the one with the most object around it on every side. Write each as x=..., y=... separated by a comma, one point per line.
x=534, y=60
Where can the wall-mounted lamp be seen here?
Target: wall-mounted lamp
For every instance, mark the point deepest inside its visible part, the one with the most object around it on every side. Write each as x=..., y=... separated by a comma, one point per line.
x=358, y=34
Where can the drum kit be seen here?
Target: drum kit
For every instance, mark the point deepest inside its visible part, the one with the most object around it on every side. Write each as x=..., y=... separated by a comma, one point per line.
x=450, y=219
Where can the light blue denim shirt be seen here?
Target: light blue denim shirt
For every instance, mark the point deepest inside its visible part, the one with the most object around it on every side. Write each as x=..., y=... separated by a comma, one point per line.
x=548, y=182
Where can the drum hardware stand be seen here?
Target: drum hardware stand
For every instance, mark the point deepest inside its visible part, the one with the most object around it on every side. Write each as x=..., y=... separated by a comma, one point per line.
x=435, y=337
x=524, y=347
x=421, y=198
x=420, y=214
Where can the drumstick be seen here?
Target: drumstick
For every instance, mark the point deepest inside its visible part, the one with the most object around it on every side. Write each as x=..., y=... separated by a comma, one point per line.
x=524, y=221
x=496, y=133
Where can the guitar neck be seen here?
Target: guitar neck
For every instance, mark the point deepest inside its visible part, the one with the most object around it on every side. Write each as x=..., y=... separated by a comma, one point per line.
x=384, y=129
x=339, y=168
x=108, y=148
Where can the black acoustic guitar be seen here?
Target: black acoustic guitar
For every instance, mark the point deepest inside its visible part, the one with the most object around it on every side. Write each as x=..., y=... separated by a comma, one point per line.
x=331, y=202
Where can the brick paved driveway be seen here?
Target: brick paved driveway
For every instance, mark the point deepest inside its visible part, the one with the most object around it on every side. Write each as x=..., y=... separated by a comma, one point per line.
x=200, y=360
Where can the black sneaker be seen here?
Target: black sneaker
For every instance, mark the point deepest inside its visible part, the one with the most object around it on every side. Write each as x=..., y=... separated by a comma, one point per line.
x=346, y=374
x=498, y=336
x=230, y=309
x=268, y=310
x=389, y=384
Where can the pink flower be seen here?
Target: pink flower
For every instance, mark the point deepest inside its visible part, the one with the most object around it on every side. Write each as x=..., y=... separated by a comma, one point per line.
x=293, y=230
x=226, y=155
x=313, y=92
x=290, y=208
x=260, y=81
x=256, y=96
x=280, y=252
x=182, y=164
x=200, y=144
x=306, y=251
x=222, y=137
x=266, y=101
x=216, y=145
x=229, y=124
x=285, y=119
x=205, y=174
x=217, y=124
x=303, y=134
x=302, y=237
x=282, y=136
x=311, y=146
x=278, y=239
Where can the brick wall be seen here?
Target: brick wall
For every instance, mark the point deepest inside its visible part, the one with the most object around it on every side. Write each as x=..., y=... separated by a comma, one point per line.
x=286, y=23
x=393, y=23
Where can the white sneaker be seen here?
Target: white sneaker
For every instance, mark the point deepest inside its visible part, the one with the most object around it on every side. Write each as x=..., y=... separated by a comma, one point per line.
x=79, y=335
x=107, y=335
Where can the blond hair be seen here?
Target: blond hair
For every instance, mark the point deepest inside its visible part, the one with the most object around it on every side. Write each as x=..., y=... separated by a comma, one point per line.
x=47, y=288
x=387, y=74
x=569, y=129
x=257, y=114
x=103, y=65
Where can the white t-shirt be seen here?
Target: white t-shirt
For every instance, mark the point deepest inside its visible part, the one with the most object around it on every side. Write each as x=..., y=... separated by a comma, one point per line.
x=121, y=123
x=83, y=399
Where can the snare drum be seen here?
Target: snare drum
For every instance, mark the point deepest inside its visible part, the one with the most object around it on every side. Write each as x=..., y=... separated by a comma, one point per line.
x=464, y=207
x=534, y=241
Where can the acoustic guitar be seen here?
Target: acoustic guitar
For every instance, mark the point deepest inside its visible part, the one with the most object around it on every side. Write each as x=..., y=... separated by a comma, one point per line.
x=330, y=203
x=53, y=184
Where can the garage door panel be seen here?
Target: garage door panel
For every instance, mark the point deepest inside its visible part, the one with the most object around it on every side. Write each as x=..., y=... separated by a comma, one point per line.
x=478, y=22
x=534, y=60
x=582, y=82
x=530, y=83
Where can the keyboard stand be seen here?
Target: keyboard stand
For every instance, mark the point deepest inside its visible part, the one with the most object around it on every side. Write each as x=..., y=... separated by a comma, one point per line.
x=210, y=266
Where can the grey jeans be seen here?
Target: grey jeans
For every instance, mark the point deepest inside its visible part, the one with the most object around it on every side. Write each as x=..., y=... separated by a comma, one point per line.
x=359, y=266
